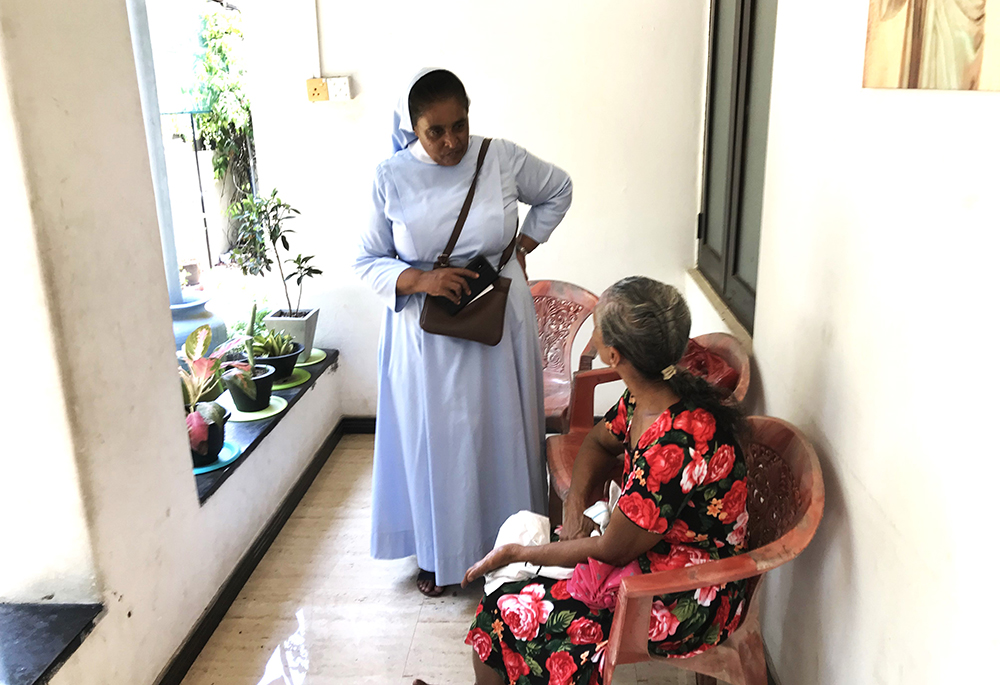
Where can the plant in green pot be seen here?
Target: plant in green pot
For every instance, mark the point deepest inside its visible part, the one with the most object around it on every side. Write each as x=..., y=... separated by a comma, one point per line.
x=261, y=228
x=201, y=383
x=250, y=383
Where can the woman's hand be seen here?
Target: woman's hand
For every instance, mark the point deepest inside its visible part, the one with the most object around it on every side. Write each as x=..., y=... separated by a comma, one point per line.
x=450, y=282
x=498, y=558
x=576, y=525
x=522, y=259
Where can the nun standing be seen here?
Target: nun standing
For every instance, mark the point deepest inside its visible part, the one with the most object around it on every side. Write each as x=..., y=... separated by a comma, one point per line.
x=459, y=438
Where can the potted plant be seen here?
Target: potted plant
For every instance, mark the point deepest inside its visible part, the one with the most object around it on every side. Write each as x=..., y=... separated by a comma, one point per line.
x=261, y=227
x=274, y=348
x=200, y=382
x=250, y=383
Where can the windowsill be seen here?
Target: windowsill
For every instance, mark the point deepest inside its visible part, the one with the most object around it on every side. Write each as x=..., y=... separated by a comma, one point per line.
x=725, y=313
x=247, y=435
x=36, y=639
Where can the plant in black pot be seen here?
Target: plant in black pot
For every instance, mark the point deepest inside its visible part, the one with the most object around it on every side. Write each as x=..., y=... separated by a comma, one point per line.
x=274, y=348
x=260, y=229
x=201, y=381
x=250, y=383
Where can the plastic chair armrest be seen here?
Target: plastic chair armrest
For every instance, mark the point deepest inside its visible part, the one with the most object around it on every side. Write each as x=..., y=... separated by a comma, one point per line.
x=581, y=398
x=587, y=356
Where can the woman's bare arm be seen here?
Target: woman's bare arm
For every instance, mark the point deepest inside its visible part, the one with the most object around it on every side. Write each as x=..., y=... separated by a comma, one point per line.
x=621, y=544
x=594, y=465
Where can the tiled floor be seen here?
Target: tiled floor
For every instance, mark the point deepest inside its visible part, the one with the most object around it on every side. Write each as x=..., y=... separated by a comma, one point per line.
x=318, y=610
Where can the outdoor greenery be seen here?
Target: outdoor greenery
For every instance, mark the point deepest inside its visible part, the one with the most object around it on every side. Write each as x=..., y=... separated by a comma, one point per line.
x=227, y=127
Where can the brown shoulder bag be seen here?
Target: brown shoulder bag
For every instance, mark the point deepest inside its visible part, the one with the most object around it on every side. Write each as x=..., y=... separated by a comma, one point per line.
x=482, y=319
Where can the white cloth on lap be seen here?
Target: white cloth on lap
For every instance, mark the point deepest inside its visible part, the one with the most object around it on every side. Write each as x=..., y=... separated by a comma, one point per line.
x=532, y=530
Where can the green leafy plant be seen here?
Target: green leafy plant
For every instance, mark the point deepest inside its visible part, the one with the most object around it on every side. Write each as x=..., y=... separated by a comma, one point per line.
x=242, y=373
x=272, y=344
x=302, y=271
x=201, y=377
x=261, y=229
x=227, y=127
x=242, y=327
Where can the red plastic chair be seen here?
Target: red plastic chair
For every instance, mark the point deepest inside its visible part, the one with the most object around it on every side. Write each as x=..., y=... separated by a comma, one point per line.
x=561, y=450
x=785, y=504
x=561, y=309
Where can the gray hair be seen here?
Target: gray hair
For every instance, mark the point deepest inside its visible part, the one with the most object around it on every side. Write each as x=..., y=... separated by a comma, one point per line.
x=648, y=322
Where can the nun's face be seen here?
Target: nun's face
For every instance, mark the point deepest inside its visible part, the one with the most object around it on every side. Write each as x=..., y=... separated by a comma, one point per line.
x=443, y=130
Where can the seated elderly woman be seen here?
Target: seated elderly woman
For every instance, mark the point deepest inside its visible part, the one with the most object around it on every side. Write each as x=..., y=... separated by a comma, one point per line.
x=683, y=502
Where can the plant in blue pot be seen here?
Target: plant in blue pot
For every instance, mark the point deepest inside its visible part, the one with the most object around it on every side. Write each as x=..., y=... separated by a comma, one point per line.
x=201, y=378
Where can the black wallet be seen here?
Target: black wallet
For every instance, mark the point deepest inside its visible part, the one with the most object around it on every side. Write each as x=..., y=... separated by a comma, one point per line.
x=487, y=277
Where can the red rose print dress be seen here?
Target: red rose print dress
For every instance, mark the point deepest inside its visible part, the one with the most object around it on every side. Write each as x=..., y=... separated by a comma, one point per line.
x=684, y=479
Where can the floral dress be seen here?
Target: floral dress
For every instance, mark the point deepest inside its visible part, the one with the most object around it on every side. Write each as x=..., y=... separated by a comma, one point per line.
x=684, y=479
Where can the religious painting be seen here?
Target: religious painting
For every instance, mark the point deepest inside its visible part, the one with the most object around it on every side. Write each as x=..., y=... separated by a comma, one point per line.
x=935, y=44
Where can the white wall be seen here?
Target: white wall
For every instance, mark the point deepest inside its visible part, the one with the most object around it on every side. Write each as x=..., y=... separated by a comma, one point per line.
x=43, y=532
x=873, y=331
x=612, y=92
x=160, y=557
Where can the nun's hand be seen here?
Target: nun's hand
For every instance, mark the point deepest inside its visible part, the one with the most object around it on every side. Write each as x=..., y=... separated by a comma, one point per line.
x=498, y=558
x=450, y=282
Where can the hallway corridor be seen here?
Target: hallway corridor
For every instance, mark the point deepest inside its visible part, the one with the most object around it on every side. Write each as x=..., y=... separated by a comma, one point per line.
x=318, y=610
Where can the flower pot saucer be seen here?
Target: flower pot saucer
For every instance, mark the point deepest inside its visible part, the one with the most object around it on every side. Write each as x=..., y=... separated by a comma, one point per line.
x=298, y=377
x=227, y=456
x=315, y=357
x=277, y=406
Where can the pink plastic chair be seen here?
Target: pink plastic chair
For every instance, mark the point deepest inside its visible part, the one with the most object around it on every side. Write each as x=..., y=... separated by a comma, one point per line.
x=561, y=309
x=561, y=450
x=785, y=504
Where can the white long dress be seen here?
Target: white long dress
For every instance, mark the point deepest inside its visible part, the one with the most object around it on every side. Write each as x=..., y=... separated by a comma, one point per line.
x=459, y=438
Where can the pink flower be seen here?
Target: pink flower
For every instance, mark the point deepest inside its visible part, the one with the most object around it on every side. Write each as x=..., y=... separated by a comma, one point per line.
x=735, y=502
x=583, y=631
x=524, y=612
x=694, y=473
x=596, y=583
x=705, y=595
x=561, y=668
x=681, y=556
x=662, y=623
x=739, y=535
x=513, y=662
x=735, y=623
x=679, y=532
x=559, y=591
x=642, y=512
x=664, y=463
x=700, y=424
x=722, y=615
x=721, y=463
x=481, y=642
x=655, y=431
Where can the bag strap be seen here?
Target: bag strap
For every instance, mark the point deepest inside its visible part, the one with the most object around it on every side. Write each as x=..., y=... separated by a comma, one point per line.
x=509, y=250
x=444, y=259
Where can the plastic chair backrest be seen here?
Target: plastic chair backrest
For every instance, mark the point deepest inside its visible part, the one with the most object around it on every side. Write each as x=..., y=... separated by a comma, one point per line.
x=785, y=502
x=561, y=309
x=733, y=353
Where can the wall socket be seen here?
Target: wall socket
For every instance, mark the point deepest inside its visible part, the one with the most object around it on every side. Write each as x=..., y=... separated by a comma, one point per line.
x=317, y=89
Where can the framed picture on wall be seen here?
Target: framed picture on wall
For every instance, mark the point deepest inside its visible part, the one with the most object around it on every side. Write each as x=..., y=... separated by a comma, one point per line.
x=934, y=44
